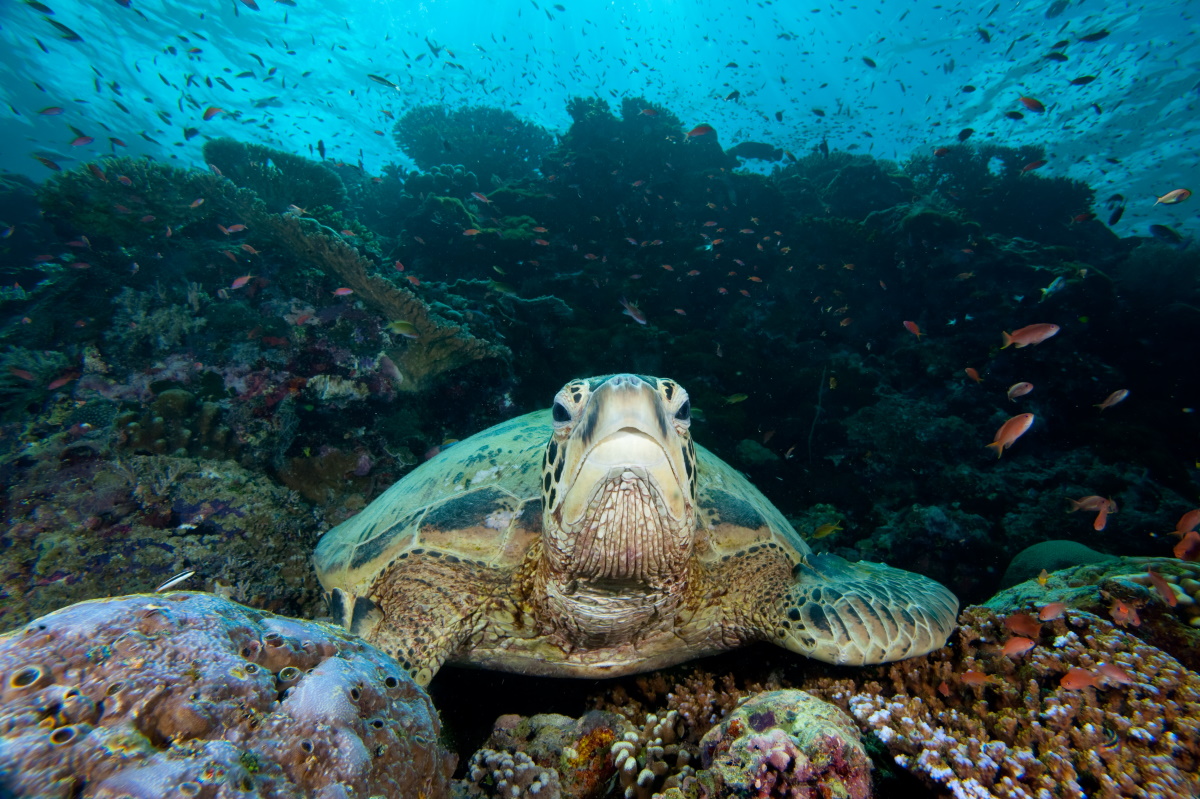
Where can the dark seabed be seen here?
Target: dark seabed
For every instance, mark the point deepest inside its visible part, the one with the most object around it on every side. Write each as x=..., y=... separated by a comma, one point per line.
x=928, y=275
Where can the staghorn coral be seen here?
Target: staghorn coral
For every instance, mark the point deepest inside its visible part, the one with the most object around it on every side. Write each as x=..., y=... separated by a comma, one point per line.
x=192, y=695
x=972, y=721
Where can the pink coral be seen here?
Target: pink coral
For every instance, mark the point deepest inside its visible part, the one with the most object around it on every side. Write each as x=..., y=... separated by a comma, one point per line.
x=193, y=695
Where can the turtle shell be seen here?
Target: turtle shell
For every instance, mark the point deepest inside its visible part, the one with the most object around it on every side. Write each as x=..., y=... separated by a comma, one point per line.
x=481, y=501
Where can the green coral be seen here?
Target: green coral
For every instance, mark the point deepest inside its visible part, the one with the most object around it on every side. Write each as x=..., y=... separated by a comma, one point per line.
x=488, y=141
x=280, y=179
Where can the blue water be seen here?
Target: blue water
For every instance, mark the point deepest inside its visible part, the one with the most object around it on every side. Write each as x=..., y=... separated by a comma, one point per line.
x=1131, y=131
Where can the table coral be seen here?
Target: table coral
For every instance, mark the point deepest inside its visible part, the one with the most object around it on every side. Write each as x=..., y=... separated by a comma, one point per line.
x=977, y=723
x=192, y=695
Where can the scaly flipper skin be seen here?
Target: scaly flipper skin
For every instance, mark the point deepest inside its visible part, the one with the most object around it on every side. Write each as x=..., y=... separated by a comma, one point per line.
x=862, y=613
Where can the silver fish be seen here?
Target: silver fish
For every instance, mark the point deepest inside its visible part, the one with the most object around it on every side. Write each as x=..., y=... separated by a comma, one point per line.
x=176, y=580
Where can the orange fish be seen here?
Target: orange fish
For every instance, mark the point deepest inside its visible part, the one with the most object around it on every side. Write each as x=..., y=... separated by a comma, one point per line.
x=700, y=130
x=1019, y=390
x=342, y=292
x=1173, y=197
x=1053, y=611
x=471, y=232
x=249, y=249
x=1023, y=624
x=197, y=203
x=1087, y=503
x=1010, y=431
x=1102, y=516
x=1113, y=398
x=1189, y=548
x=24, y=374
x=1122, y=614
x=1032, y=165
x=212, y=111
x=1017, y=646
x=1032, y=104
x=1163, y=587
x=912, y=327
x=69, y=376
x=1113, y=672
x=632, y=311
x=943, y=688
x=1030, y=334
x=241, y=281
x=541, y=242
x=975, y=678
x=1078, y=679
x=973, y=373
x=1188, y=521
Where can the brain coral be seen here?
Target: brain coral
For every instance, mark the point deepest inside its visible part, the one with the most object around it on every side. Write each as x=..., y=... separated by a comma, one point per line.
x=191, y=695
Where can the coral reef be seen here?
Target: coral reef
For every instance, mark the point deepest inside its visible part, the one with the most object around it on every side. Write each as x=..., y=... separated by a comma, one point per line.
x=509, y=776
x=491, y=142
x=786, y=744
x=193, y=695
x=175, y=423
x=280, y=179
x=1088, y=710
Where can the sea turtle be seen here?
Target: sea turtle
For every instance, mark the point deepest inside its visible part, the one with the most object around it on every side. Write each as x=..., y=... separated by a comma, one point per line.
x=594, y=539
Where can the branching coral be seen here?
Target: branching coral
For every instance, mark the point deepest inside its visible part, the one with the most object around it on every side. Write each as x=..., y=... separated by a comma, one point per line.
x=1090, y=710
x=280, y=179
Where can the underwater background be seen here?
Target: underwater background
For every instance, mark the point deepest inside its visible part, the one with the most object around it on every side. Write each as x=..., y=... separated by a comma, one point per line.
x=928, y=272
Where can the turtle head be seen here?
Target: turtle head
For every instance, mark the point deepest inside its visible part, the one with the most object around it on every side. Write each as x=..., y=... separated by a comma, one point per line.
x=618, y=481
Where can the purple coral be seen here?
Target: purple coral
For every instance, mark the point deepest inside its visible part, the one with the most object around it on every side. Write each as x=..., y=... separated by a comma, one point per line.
x=193, y=695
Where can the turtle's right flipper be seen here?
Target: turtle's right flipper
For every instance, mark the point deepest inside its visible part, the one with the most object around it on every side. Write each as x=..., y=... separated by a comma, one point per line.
x=863, y=613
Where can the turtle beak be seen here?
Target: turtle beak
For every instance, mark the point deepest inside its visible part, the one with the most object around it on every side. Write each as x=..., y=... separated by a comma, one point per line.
x=625, y=432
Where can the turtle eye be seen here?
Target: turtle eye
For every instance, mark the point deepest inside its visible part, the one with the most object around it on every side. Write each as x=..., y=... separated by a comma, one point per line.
x=685, y=411
x=560, y=413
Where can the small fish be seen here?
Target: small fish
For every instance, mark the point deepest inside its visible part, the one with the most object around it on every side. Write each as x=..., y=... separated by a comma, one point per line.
x=1030, y=334
x=632, y=311
x=1023, y=624
x=1094, y=37
x=1102, y=512
x=975, y=678
x=1032, y=165
x=1032, y=104
x=1010, y=431
x=212, y=111
x=912, y=327
x=1113, y=672
x=481, y=197
x=1017, y=646
x=343, y=292
x=827, y=529
x=1090, y=503
x=1043, y=578
x=23, y=374
x=734, y=399
x=1116, y=215
x=1163, y=587
x=1058, y=284
x=62, y=381
x=1113, y=398
x=239, y=282
x=197, y=203
x=1078, y=679
x=1052, y=611
x=1189, y=548
x=973, y=373
x=1019, y=390
x=700, y=130
x=1188, y=522
x=176, y=580
x=1082, y=80
x=402, y=328
x=648, y=112
x=51, y=111
x=1122, y=614
x=1173, y=197
x=81, y=141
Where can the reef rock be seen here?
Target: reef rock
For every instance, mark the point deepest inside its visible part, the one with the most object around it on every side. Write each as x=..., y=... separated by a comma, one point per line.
x=786, y=743
x=192, y=695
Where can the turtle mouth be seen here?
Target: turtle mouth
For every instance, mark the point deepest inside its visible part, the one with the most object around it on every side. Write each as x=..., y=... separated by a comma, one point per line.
x=625, y=460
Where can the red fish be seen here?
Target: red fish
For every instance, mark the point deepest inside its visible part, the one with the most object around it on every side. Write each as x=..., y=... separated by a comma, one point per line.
x=1078, y=679
x=471, y=232
x=941, y=151
x=1088, y=503
x=80, y=141
x=241, y=281
x=975, y=678
x=124, y=181
x=197, y=203
x=1114, y=673
x=1030, y=334
x=1189, y=548
x=1163, y=587
x=1113, y=398
x=1017, y=646
x=213, y=110
x=1010, y=431
x=1032, y=104
x=973, y=373
x=51, y=111
x=98, y=172
x=1023, y=624
x=24, y=374
x=62, y=381
x=343, y=292
x=1019, y=390
x=1188, y=521
x=912, y=327
x=1032, y=165
x=46, y=162
x=481, y=197
x=1102, y=516
x=1052, y=611
x=1122, y=614
x=541, y=242
x=700, y=130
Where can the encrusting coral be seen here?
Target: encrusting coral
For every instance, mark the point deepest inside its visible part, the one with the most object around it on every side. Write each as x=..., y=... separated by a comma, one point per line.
x=192, y=695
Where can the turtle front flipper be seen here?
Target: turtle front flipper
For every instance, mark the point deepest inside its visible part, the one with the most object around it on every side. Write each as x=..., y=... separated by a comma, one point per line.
x=862, y=613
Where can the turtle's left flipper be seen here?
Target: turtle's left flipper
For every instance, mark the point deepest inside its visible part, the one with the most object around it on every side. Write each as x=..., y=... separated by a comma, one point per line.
x=862, y=613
